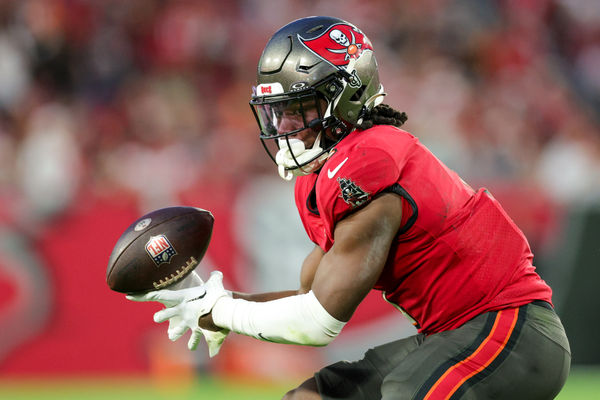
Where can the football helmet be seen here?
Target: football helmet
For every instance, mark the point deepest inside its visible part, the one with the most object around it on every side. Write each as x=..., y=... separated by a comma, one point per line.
x=317, y=75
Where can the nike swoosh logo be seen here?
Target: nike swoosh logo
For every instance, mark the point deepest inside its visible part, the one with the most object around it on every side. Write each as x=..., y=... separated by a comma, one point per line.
x=196, y=298
x=260, y=335
x=331, y=174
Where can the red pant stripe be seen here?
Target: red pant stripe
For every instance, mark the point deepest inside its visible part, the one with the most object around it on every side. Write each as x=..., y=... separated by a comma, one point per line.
x=485, y=354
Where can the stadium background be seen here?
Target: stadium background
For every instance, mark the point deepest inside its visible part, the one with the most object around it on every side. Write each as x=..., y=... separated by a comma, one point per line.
x=109, y=109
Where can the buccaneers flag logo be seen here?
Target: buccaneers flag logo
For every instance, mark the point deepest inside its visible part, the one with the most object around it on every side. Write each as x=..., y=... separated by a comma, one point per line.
x=338, y=44
x=351, y=193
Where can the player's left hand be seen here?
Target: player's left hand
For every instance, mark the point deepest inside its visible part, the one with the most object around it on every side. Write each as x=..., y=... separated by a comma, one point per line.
x=185, y=307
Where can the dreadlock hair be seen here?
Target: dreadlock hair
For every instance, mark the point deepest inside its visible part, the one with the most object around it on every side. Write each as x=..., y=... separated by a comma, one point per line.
x=382, y=114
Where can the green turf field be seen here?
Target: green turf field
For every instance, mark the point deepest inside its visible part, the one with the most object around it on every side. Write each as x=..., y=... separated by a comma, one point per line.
x=583, y=384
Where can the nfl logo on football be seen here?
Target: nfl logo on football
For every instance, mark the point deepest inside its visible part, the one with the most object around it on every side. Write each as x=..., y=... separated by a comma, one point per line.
x=160, y=249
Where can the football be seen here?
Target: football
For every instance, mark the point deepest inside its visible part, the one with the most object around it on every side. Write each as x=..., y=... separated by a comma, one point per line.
x=159, y=249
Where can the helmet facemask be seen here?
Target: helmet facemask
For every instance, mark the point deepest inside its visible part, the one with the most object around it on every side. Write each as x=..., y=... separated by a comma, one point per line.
x=291, y=121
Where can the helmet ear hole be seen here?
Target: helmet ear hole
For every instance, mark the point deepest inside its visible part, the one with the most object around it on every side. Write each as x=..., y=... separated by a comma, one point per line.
x=357, y=95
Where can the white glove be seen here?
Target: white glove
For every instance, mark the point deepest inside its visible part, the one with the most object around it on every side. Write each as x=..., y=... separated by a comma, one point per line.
x=193, y=279
x=186, y=305
x=214, y=339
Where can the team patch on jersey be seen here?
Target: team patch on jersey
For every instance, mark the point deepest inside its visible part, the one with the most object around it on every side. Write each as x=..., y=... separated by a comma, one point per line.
x=160, y=249
x=351, y=193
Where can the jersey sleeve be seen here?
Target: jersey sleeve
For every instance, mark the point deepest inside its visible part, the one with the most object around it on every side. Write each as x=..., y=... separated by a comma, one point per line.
x=351, y=180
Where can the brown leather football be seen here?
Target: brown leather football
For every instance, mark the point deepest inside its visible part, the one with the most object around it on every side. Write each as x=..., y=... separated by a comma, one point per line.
x=159, y=249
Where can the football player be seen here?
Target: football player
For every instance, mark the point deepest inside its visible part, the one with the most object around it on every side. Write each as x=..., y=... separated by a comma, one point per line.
x=384, y=214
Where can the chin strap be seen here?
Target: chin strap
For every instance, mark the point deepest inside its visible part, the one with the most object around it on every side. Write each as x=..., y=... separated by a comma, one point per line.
x=288, y=158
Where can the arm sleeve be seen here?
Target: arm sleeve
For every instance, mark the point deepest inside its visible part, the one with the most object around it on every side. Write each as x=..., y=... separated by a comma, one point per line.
x=299, y=319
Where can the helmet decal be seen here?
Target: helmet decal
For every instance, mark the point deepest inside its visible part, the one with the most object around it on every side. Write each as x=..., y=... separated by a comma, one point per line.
x=338, y=44
x=267, y=89
x=299, y=86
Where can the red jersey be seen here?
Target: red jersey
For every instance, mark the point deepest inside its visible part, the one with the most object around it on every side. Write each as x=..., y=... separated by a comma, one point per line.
x=457, y=253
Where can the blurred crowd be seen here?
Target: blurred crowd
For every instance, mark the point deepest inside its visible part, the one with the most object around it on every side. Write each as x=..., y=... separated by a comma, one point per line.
x=145, y=96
